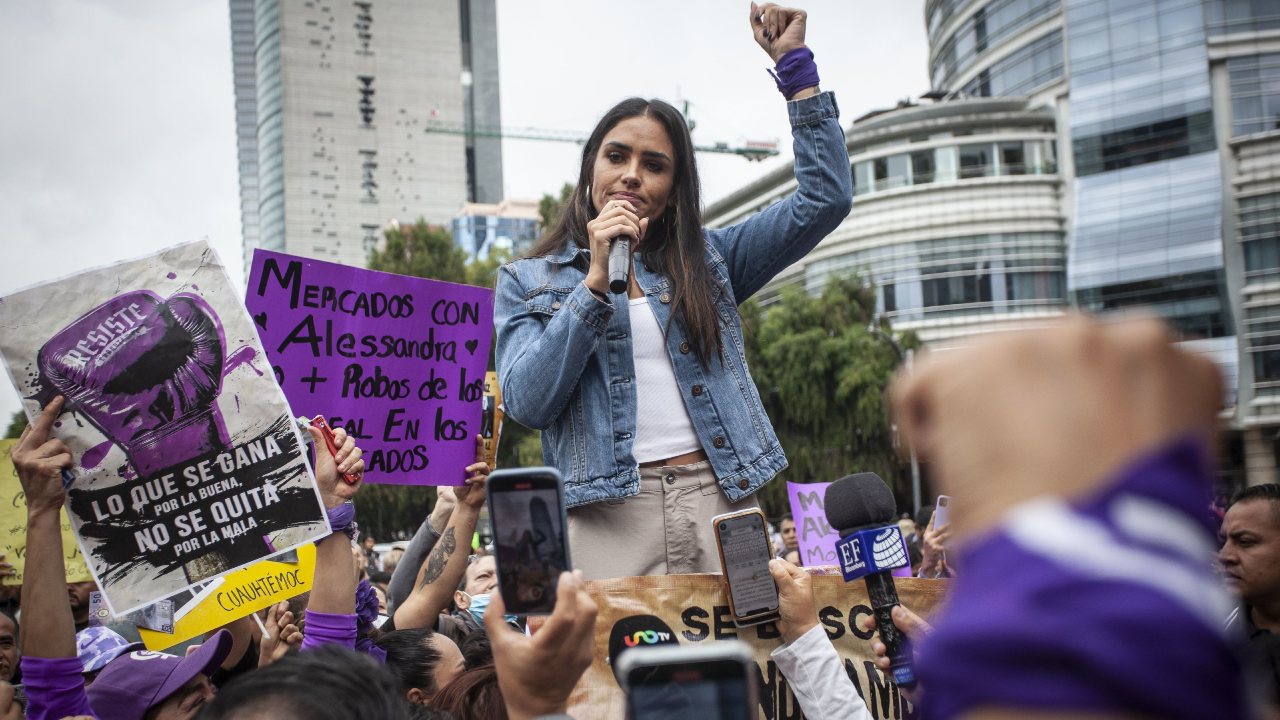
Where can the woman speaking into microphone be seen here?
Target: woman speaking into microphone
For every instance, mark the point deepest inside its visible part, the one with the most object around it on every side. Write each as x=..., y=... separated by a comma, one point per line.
x=643, y=397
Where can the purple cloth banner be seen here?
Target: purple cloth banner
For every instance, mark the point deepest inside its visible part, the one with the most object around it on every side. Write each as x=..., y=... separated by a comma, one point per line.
x=397, y=361
x=816, y=536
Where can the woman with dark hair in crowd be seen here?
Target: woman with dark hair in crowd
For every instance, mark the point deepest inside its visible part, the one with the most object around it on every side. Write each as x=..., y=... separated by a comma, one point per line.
x=645, y=401
x=424, y=661
x=328, y=683
x=473, y=695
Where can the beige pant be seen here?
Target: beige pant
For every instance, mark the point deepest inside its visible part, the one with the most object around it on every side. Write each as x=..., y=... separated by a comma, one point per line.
x=664, y=530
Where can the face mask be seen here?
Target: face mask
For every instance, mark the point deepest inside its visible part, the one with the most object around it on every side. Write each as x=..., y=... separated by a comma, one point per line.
x=480, y=603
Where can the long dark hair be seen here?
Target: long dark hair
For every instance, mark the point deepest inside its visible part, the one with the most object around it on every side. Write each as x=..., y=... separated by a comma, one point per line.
x=674, y=245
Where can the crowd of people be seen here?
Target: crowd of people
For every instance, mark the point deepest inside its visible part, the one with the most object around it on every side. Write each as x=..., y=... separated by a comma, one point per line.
x=1086, y=579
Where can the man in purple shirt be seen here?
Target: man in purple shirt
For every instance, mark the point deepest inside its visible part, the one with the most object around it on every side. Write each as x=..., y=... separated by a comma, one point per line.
x=1080, y=460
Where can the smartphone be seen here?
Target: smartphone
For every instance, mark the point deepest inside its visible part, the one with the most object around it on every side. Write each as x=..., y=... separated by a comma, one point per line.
x=941, y=513
x=530, y=537
x=706, y=681
x=742, y=539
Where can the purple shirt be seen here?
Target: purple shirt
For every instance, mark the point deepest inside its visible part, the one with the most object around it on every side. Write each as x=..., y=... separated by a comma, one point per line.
x=1105, y=604
x=55, y=688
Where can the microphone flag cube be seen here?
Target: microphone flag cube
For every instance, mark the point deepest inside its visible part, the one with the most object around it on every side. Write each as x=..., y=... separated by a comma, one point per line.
x=871, y=551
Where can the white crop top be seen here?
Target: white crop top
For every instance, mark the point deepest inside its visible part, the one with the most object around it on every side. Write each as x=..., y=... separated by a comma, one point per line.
x=663, y=426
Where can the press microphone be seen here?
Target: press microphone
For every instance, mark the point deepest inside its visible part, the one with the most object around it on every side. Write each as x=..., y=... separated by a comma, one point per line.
x=861, y=507
x=619, y=264
x=637, y=631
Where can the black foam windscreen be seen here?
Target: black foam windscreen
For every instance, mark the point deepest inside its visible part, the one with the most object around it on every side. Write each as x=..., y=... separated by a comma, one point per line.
x=636, y=630
x=858, y=501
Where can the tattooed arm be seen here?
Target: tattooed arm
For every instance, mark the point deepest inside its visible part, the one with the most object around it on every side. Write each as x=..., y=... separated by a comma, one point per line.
x=447, y=562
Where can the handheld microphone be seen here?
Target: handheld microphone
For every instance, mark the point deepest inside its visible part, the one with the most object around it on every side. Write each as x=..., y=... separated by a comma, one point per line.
x=870, y=547
x=619, y=264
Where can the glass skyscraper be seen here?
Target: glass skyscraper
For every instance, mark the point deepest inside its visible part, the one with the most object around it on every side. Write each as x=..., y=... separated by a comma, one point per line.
x=1102, y=154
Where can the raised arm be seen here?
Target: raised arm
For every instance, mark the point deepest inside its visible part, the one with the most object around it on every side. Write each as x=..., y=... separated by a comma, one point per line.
x=439, y=576
x=760, y=247
x=331, y=610
x=48, y=630
x=50, y=668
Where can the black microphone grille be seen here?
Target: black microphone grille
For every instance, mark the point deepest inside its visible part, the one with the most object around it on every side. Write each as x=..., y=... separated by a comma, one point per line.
x=857, y=501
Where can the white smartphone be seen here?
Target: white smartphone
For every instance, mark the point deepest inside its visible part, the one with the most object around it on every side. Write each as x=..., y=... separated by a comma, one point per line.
x=942, y=513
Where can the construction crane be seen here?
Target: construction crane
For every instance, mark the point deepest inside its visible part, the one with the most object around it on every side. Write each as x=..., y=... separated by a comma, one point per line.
x=753, y=150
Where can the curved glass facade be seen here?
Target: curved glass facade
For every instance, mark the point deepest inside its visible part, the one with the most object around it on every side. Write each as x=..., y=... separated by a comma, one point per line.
x=956, y=276
x=953, y=163
x=937, y=12
x=270, y=127
x=1038, y=63
x=985, y=28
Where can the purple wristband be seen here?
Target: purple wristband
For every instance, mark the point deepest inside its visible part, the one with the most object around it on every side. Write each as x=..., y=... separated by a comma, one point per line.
x=795, y=72
x=343, y=519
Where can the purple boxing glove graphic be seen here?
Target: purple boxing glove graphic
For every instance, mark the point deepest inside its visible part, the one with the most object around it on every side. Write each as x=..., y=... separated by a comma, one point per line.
x=147, y=373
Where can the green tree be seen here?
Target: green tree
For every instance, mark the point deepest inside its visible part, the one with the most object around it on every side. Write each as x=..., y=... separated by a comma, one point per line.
x=822, y=376
x=421, y=250
x=549, y=207
x=17, y=424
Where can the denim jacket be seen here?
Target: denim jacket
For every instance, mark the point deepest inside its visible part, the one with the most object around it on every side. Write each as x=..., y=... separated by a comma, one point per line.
x=564, y=356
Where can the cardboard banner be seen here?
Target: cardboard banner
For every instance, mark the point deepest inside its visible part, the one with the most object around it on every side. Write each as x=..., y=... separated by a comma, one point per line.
x=816, y=536
x=189, y=463
x=399, y=362
x=13, y=526
x=238, y=594
x=696, y=610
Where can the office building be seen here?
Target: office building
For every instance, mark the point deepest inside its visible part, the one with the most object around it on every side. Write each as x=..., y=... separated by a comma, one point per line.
x=1101, y=154
x=510, y=226
x=332, y=103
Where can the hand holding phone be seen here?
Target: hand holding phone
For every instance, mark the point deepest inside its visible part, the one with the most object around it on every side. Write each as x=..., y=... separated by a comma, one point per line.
x=942, y=513
x=708, y=681
x=742, y=539
x=530, y=538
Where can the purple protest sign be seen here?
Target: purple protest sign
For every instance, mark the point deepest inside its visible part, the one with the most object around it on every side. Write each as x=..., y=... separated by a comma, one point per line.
x=397, y=361
x=817, y=537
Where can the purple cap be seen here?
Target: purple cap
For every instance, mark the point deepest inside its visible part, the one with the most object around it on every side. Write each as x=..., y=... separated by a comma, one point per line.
x=137, y=681
x=98, y=645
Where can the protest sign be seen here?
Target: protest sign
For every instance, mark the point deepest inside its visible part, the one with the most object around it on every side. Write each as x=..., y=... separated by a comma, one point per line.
x=399, y=362
x=693, y=609
x=13, y=526
x=816, y=536
x=238, y=594
x=189, y=463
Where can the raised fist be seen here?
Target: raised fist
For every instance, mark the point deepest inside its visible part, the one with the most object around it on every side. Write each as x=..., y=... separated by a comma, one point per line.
x=147, y=373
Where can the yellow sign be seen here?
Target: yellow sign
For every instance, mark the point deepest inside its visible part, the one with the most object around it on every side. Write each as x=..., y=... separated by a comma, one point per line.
x=13, y=525
x=242, y=592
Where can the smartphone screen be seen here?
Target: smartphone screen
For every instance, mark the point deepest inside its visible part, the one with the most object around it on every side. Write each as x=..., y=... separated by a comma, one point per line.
x=690, y=691
x=744, y=548
x=526, y=511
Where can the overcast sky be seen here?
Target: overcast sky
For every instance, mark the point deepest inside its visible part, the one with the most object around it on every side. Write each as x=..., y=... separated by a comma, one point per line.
x=118, y=131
